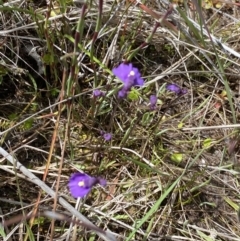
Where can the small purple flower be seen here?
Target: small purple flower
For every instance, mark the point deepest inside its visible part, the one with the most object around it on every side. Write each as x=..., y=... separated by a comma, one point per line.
x=130, y=76
x=97, y=93
x=122, y=93
x=107, y=136
x=175, y=88
x=153, y=102
x=80, y=184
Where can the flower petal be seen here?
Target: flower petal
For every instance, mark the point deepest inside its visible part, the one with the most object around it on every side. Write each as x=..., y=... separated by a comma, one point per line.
x=107, y=136
x=80, y=184
x=97, y=93
x=129, y=75
x=138, y=79
x=122, y=93
x=174, y=88
x=122, y=72
x=77, y=185
x=153, y=101
x=102, y=181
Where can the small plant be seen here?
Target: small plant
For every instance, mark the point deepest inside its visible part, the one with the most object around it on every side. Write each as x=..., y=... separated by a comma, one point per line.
x=130, y=76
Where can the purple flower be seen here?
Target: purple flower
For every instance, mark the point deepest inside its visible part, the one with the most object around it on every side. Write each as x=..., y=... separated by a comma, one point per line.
x=80, y=184
x=97, y=93
x=130, y=76
x=122, y=93
x=175, y=88
x=107, y=136
x=153, y=102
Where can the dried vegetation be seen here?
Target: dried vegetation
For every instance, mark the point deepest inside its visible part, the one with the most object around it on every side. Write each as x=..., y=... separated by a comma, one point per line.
x=173, y=173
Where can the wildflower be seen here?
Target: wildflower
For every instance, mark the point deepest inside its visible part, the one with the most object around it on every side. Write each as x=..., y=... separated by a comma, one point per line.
x=130, y=76
x=80, y=184
x=122, y=93
x=107, y=136
x=97, y=93
x=153, y=102
x=175, y=88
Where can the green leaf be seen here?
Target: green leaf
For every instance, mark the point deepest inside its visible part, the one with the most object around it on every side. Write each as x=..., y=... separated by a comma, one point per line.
x=180, y=125
x=231, y=203
x=3, y=70
x=204, y=236
x=38, y=221
x=30, y=233
x=55, y=92
x=28, y=124
x=177, y=157
x=48, y=59
x=207, y=142
x=12, y=116
x=2, y=233
x=133, y=95
x=146, y=118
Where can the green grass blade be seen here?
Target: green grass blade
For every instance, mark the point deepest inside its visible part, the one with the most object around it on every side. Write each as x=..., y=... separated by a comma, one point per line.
x=154, y=208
